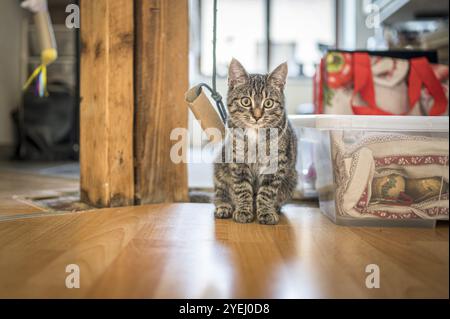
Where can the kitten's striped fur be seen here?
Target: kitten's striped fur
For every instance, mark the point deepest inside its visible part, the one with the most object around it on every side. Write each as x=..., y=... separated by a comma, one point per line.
x=241, y=191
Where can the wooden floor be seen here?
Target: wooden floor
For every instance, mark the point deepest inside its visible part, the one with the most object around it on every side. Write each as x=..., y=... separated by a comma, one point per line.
x=180, y=251
x=16, y=187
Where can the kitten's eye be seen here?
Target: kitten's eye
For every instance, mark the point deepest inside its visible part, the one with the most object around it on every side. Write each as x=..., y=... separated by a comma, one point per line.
x=245, y=101
x=268, y=103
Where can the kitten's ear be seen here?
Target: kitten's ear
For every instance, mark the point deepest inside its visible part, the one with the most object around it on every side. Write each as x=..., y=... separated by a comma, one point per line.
x=236, y=73
x=278, y=76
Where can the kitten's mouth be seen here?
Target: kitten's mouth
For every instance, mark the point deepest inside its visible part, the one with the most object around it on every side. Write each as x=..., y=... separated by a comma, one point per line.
x=257, y=122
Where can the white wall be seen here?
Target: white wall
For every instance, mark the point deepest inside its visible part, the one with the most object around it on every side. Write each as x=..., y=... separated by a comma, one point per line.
x=10, y=87
x=352, y=30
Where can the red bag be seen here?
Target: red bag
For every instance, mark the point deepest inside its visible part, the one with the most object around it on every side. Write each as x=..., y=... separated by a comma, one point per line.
x=356, y=83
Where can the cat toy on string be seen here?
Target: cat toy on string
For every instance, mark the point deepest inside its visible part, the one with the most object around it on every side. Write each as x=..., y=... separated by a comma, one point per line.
x=199, y=103
x=47, y=44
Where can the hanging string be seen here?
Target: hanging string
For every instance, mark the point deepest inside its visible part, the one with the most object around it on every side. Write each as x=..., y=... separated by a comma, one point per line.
x=214, y=94
x=214, y=40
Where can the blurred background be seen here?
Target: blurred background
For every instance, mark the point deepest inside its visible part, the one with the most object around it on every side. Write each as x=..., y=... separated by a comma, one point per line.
x=264, y=33
x=33, y=128
x=259, y=33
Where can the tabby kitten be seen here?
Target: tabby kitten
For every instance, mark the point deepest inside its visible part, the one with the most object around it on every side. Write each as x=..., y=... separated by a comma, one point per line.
x=244, y=189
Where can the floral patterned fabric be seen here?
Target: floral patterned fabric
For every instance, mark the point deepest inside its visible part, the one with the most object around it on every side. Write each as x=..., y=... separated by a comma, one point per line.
x=361, y=159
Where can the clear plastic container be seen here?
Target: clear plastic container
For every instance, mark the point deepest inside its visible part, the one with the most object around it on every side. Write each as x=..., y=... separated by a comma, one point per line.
x=381, y=170
x=305, y=156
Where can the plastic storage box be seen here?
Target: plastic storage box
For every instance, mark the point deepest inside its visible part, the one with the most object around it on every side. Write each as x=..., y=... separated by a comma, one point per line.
x=305, y=156
x=381, y=170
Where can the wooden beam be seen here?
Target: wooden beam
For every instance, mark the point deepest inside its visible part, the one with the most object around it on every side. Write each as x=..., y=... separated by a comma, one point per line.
x=107, y=100
x=161, y=79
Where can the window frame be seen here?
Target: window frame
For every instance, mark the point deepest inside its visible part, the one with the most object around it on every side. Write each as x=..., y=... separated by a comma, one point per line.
x=268, y=39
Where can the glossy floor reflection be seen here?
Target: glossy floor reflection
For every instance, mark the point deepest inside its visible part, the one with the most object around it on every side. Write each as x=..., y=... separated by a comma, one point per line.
x=180, y=251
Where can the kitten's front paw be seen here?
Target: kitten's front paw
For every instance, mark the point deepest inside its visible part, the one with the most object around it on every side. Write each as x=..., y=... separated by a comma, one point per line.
x=268, y=218
x=223, y=211
x=242, y=216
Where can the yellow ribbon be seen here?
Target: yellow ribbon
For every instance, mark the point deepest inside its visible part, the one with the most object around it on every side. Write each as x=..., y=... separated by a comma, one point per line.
x=32, y=77
x=44, y=79
x=47, y=57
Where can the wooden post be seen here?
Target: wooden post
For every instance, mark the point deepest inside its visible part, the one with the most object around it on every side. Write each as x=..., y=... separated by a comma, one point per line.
x=107, y=100
x=161, y=79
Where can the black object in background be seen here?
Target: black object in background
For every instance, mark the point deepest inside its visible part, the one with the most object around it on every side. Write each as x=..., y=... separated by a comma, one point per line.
x=431, y=55
x=44, y=126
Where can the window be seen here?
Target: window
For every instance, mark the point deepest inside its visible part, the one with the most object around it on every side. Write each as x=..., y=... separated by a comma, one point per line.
x=240, y=34
x=297, y=31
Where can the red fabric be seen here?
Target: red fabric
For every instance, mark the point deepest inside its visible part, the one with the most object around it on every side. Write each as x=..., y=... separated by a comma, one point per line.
x=363, y=84
x=319, y=82
x=420, y=74
x=344, y=75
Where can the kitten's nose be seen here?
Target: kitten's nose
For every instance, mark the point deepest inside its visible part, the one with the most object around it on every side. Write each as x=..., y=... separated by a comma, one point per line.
x=257, y=113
